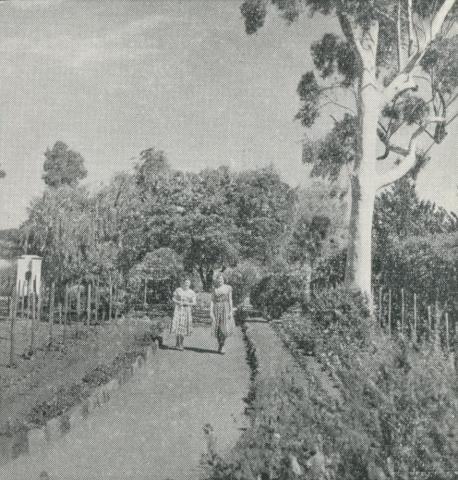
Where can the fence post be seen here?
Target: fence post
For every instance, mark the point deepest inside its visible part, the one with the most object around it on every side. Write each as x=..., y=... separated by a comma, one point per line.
x=78, y=307
x=88, y=316
x=59, y=312
x=437, y=323
x=23, y=301
x=40, y=304
x=33, y=326
x=110, y=299
x=415, y=318
x=144, y=293
x=447, y=334
x=64, y=331
x=12, y=312
x=28, y=298
x=389, y=312
x=96, y=301
x=429, y=322
x=402, y=310
x=51, y=310
x=116, y=297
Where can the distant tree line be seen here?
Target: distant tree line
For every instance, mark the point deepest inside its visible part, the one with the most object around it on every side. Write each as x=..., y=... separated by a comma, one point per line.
x=249, y=223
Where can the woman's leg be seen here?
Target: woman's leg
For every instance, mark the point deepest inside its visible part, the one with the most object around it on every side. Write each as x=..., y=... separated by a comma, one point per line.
x=221, y=341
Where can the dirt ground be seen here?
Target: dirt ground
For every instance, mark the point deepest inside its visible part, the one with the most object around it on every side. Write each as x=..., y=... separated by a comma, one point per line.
x=36, y=379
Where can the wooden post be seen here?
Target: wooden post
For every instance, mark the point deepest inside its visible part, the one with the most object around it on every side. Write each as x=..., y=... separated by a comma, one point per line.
x=380, y=306
x=12, y=312
x=28, y=299
x=40, y=304
x=415, y=318
x=402, y=310
x=389, y=311
x=78, y=305
x=59, y=313
x=88, y=316
x=110, y=299
x=447, y=334
x=437, y=322
x=64, y=332
x=33, y=326
x=23, y=302
x=429, y=322
x=96, y=301
x=51, y=310
x=144, y=293
x=116, y=297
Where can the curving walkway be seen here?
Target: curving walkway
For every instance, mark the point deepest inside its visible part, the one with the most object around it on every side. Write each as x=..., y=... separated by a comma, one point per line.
x=152, y=427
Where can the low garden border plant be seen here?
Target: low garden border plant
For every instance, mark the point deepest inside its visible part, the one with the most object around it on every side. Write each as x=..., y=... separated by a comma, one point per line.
x=395, y=415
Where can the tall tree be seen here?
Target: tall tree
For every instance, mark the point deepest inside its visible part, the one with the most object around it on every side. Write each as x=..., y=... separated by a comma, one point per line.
x=205, y=232
x=398, y=57
x=63, y=166
x=263, y=206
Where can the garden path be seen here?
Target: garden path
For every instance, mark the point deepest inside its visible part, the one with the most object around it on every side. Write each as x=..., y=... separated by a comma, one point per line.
x=152, y=427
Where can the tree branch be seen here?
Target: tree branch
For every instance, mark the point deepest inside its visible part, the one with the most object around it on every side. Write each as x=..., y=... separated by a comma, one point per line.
x=399, y=85
x=403, y=78
x=399, y=33
x=404, y=167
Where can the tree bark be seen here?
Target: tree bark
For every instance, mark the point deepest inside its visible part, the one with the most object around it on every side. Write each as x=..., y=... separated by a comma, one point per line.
x=364, y=181
x=359, y=257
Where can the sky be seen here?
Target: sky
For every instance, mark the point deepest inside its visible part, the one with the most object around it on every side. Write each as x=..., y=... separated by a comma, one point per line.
x=113, y=77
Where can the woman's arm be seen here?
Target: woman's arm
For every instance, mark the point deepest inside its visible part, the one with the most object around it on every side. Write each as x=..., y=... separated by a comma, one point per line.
x=176, y=298
x=192, y=302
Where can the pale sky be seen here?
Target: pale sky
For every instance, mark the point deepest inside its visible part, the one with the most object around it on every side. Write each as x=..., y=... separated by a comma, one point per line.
x=113, y=77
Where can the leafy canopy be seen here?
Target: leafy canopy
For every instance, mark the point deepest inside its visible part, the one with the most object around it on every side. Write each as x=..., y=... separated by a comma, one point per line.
x=63, y=166
x=400, y=31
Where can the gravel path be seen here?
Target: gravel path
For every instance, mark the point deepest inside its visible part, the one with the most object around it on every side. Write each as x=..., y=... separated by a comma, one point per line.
x=152, y=428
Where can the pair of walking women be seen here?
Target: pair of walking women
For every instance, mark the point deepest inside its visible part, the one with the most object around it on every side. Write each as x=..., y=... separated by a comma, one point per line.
x=221, y=312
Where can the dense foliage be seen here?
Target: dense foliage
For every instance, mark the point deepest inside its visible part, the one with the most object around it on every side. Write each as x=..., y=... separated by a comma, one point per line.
x=381, y=409
x=384, y=88
x=209, y=220
x=277, y=292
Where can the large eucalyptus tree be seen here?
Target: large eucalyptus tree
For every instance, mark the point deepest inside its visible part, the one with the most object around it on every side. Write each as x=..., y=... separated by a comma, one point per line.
x=398, y=59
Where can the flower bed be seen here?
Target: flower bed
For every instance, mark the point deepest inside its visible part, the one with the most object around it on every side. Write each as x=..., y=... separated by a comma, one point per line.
x=395, y=416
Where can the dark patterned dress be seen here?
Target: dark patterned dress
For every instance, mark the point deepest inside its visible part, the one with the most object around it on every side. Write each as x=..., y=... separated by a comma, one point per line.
x=223, y=322
x=182, y=315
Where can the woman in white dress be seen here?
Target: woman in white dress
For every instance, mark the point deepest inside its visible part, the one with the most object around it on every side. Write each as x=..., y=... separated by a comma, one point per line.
x=184, y=298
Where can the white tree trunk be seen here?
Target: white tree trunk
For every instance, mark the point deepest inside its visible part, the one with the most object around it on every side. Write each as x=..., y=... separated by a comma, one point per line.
x=364, y=182
x=359, y=253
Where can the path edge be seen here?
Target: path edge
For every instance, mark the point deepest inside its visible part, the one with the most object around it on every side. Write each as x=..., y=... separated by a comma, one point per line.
x=29, y=441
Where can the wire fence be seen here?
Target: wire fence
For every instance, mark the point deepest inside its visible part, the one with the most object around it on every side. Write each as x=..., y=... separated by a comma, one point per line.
x=31, y=319
x=402, y=312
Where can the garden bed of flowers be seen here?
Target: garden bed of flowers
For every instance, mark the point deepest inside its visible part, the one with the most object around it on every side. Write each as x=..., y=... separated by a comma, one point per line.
x=395, y=415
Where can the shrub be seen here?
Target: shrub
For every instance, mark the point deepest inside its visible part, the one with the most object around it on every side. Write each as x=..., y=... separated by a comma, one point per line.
x=275, y=293
x=392, y=412
x=393, y=416
x=242, y=279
